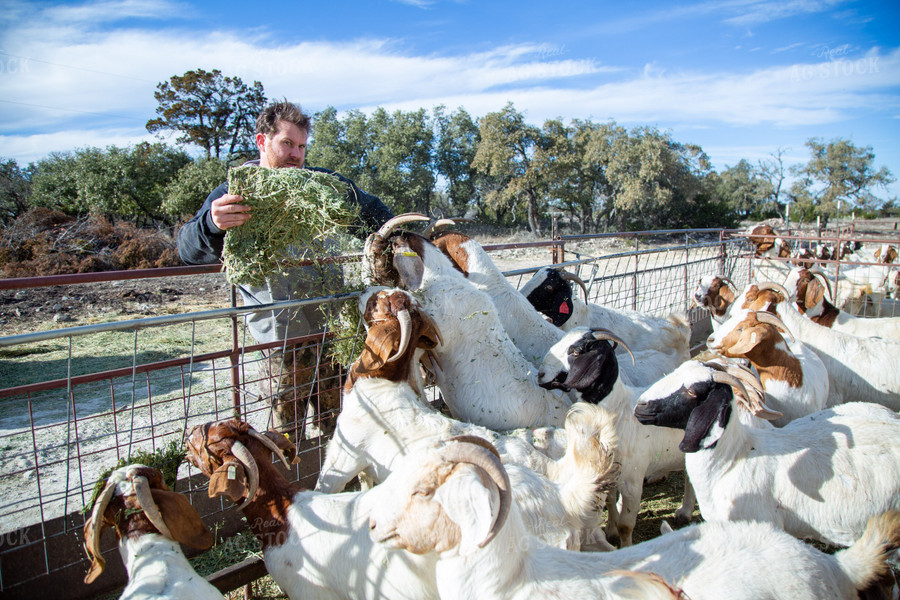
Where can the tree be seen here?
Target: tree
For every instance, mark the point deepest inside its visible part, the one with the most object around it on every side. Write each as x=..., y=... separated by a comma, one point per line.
x=186, y=192
x=773, y=170
x=506, y=154
x=402, y=159
x=343, y=145
x=746, y=190
x=15, y=186
x=116, y=182
x=838, y=171
x=455, y=146
x=209, y=110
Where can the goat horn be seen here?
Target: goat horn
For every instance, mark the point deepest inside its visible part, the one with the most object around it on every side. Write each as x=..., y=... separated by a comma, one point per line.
x=271, y=445
x=771, y=285
x=605, y=334
x=764, y=316
x=439, y=224
x=477, y=440
x=241, y=453
x=145, y=499
x=399, y=220
x=751, y=384
x=486, y=460
x=573, y=277
x=97, y=521
x=405, y=333
x=729, y=379
x=824, y=277
x=729, y=282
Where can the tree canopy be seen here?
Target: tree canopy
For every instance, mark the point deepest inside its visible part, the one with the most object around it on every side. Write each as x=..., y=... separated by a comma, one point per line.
x=209, y=110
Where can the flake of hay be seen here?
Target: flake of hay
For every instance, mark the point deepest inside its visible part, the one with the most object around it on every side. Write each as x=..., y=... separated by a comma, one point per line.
x=297, y=215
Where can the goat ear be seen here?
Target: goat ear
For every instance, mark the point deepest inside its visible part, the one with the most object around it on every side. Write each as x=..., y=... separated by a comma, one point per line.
x=283, y=443
x=471, y=501
x=815, y=292
x=747, y=341
x=410, y=266
x=228, y=480
x=182, y=519
x=378, y=347
x=97, y=562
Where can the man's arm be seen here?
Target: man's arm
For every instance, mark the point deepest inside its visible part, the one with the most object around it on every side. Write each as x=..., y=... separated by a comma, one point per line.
x=200, y=240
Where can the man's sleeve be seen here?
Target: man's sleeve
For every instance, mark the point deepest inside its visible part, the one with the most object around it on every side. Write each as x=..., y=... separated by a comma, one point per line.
x=199, y=240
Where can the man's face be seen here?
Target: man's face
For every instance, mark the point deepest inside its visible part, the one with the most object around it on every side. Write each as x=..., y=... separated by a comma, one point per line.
x=285, y=148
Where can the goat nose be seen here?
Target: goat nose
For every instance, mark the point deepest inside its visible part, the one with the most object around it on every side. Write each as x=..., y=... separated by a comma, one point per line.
x=371, y=523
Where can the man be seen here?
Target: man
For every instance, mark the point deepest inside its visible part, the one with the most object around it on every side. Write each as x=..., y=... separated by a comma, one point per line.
x=287, y=373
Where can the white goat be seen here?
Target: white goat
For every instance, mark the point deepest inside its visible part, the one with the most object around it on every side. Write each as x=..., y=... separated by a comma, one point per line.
x=793, y=376
x=457, y=506
x=383, y=420
x=585, y=363
x=822, y=476
x=315, y=546
x=150, y=521
x=483, y=377
x=529, y=331
x=858, y=368
x=809, y=294
x=662, y=342
x=769, y=249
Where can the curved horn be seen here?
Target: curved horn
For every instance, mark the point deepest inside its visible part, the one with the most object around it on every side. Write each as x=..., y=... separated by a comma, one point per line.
x=405, y=333
x=605, y=334
x=824, y=277
x=97, y=521
x=477, y=440
x=399, y=220
x=729, y=379
x=771, y=285
x=145, y=499
x=573, y=277
x=487, y=461
x=439, y=224
x=271, y=445
x=767, y=317
x=241, y=453
x=729, y=282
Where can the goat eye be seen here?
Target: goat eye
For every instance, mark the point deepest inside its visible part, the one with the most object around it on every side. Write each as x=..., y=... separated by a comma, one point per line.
x=424, y=493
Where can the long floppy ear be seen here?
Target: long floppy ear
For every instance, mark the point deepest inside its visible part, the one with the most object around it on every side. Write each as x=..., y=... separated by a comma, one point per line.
x=182, y=519
x=229, y=480
x=409, y=265
x=815, y=292
x=98, y=563
x=378, y=347
x=747, y=341
x=472, y=501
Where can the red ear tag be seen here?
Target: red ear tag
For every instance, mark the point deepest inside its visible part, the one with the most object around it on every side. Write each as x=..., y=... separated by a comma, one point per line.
x=564, y=308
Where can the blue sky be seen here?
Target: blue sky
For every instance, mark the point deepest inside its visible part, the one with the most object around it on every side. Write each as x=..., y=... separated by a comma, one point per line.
x=741, y=78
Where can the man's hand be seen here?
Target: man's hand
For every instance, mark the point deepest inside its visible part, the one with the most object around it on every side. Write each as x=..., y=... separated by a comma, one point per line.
x=228, y=212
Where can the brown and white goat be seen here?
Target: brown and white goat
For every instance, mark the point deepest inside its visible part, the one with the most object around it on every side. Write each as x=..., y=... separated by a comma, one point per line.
x=793, y=376
x=150, y=521
x=315, y=545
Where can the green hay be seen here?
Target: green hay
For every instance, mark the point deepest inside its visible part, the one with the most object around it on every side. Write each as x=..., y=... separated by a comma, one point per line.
x=166, y=458
x=297, y=214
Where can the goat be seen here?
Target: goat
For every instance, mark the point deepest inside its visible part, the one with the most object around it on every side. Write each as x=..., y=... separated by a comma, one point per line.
x=315, y=546
x=150, y=521
x=527, y=329
x=585, y=363
x=483, y=377
x=809, y=294
x=383, y=420
x=456, y=504
x=769, y=248
x=663, y=342
x=793, y=376
x=822, y=476
x=716, y=294
x=858, y=368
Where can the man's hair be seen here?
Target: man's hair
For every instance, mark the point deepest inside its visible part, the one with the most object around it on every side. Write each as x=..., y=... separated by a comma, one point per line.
x=267, y=121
